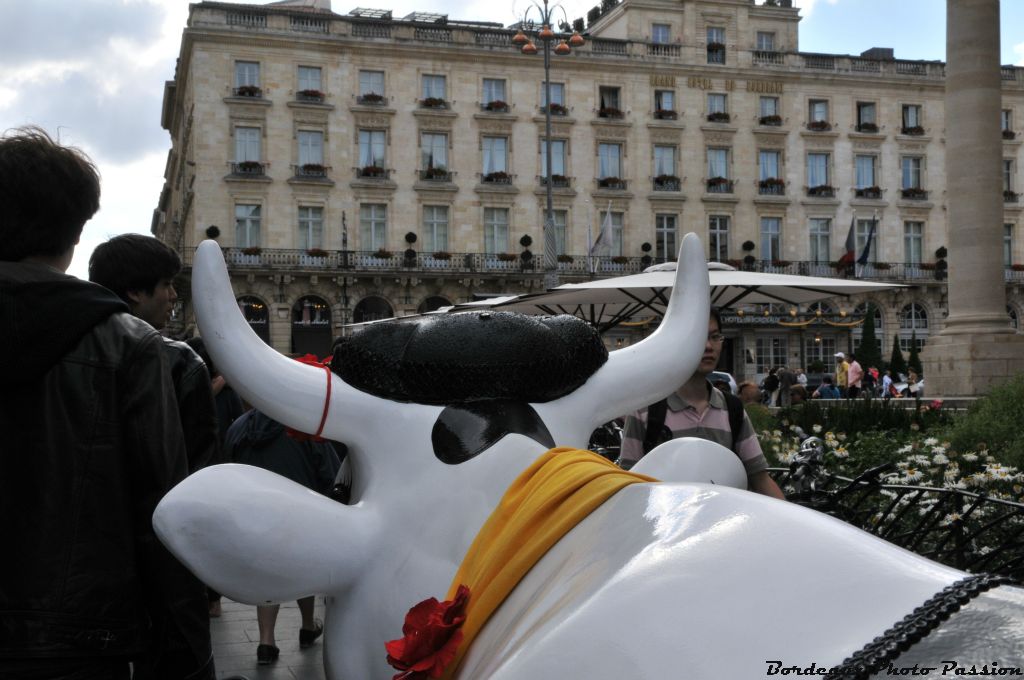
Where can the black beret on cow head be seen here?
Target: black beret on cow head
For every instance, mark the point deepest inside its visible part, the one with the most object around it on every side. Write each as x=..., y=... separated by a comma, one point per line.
x=472, y=356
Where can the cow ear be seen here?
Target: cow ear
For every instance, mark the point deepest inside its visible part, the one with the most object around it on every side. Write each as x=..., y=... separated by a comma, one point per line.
x=225, y=524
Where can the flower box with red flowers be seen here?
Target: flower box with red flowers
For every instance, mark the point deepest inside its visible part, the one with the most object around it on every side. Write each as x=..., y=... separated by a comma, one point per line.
x=310, y=96
x=719, y=117
x=715, y=46
x=442, y=255
x=914, y=194
x=620, y=259
x=781, y=263
x=1017, y=267
x=868, y=192
x=507, y=257
x=371, y=99
x=558, y=109
x=867, y=127
x=772, y=120
x=496, y=105
x=819, y=126
x=609, y=112
x=1010, y=196
x=913, y=130
x=312, y=170
x=497, y=177
x=822, y=191
x=611, y=183
x=433, y=103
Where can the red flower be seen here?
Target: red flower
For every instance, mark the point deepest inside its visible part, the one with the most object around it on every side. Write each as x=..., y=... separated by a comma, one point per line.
x=936, y=404
x=431, y=637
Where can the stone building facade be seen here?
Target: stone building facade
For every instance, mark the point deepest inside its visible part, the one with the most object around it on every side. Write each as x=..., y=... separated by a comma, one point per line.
x=359, y=166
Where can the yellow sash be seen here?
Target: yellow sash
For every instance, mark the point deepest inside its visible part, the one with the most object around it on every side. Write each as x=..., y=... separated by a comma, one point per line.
x=548, y=499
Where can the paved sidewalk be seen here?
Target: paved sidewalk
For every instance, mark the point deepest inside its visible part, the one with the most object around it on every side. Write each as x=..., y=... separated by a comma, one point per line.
x=236, y=635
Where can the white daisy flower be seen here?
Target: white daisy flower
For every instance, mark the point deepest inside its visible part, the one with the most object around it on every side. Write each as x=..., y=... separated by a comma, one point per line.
x=931, y=441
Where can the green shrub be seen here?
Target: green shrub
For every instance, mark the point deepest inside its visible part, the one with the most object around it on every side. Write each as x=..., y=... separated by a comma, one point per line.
x=994, y=422
x=855, y=416
x=761, y=418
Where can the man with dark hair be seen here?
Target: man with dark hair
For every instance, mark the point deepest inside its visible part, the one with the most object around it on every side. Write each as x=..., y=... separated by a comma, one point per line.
x=92, y=441
x=140, y=270
x=698, y=409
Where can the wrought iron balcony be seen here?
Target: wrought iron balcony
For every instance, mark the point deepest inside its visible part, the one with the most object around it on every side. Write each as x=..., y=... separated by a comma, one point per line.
x=497, y=177
x=248, y=91
x=914, y=194
x=874, y=193
x=719, y=185
x=495, y=106
x=373, y=172
x=436, y=175
x=613, y=183
x=772, y=186
x=666, y=183
x=371, y=99
x=310, y=96
x=557, y=181
x=311, y=171
x=248, y=168
x=821, y=191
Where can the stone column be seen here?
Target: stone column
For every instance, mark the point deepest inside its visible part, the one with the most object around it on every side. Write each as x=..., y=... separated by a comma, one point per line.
x=977, y=347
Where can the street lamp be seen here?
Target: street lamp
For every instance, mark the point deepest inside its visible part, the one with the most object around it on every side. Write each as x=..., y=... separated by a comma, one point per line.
x=564, y=46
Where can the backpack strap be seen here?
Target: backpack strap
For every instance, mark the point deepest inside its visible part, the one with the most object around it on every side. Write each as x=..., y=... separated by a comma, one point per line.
x=654, y=433
x=736, y=413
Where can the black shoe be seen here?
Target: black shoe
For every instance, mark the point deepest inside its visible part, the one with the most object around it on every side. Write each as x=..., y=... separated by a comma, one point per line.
x=308, y=637
x=266, y=654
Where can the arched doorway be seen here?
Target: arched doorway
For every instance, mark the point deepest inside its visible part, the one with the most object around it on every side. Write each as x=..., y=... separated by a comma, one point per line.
x=372, y=308
x=311, y=326
x=257, y=314
x=432, y=303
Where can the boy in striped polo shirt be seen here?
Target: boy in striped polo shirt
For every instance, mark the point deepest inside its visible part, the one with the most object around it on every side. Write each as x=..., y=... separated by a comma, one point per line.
x=697, y=409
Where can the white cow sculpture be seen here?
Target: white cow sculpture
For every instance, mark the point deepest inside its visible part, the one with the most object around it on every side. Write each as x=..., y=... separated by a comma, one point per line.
x=686, y=579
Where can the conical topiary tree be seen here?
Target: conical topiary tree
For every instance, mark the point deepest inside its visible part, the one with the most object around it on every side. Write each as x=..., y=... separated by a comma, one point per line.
x=870, y=352
x=897, y=364
x=914, y=360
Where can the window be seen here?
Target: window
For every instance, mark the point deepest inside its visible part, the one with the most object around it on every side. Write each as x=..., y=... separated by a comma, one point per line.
x=311, y=227
x=912, y=119
x=664, y=100
x=768, y=165
x=866, y=119
x=559, y=219
x=371, y=148
x=617, y=221
x=1007, y=175
x=765, y=41
x=371, y=82
x=862, y=230
x=609, y=160
x=718, y=163
x=661, y=33
x=665, y=234
x=495, y=155
x=771, y=352
x=1007, y=244
x=820, y=246
x=494, y=90
x=664, y=160
x=557, y=94
x=1006, y=120
x=865, y=170
x=718, y=237
x=820, y=348
x=558, y=147
x=435, y=228
x=433, y=151
x=913, y=324
x=771, y=238
x=311, y=147
x=817, y=111
x=247, y=74
x=608, y=98
x=434, y=87
x=769, y=106
x=495, y=230
x=817, y=169
x=373, y=221
x=911, y=172
x=310, y=78
x=913, y=242
x=716, y=45
x=717, y=103
x=247, y=225
x=247, y=144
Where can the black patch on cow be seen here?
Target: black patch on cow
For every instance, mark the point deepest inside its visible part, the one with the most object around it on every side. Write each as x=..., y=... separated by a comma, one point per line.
x=460, y=358
x=462, y=432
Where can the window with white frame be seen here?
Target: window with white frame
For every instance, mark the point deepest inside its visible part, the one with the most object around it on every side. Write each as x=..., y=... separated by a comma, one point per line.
x=560, y=219
x=772, y=351
x=911, y=174
x=820, y=348
x=718, y=238
x=494, y=90
x=247, y=225
x=558, y=154
x=617, y=230
x=247, y=74
x=247, y=144
x=1008, y=174
x=864, y=165
x=768, y=106
x=495, y=230
x=664, y=100
x=717, y=103
x=557, y=94
x=820, y=239
x=867, y=115
x=664, y=160
x=434, y=86
x=665, y=235
x=661, y=33
x=1007, y=244
x=435, y=228
x=771, y=238
x=609, y=97
x=769, y=164
x=311, y=227
x=609, y=158
x=718, y=163
x=913, y=242
x=495, y=155
x=862, y=231
x=371, y=82
x=911, y=116
x=913, y=325
x=373, y=223
x=372, y=144
x=1006, y=119
x=434, y=151
x=817, y=110
x=311, y=147
x=818, y=169
x=765, y=41
x=310, y=78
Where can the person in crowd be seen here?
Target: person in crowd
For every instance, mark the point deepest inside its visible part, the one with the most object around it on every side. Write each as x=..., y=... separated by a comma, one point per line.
x=801, y=377
x=698, y=409
x=854, y=377
x=92, y=441
x=887, y=388
x=842, y=373
x=871, y=382
x=826, y=390
x=770, y=387
x=787, y=379
x=797, y=395
x=256, y=439
x=914, y=384
x=140, y=270
x=749, y=394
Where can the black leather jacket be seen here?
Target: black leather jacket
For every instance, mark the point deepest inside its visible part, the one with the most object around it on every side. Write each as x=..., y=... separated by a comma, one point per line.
x=90, y=441
x=196, y=405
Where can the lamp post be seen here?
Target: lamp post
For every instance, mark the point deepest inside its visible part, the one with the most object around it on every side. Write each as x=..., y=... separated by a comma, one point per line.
x=564, y=47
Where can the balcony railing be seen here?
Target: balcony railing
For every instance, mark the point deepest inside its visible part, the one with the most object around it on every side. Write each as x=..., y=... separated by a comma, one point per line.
x=248, y=168
x=498, y=177
x=556, y=109
x=612, y=183
x=311, y=171
x=557, y=181
x=716, y=53
x=373, y=172
x=821, y=191
x=433, y=103
x=251, y=91
x=310, y=96
x=666, y=183
x=719, y=185
x=771, y=187
x=914, y=194
x=495, y=106
x=1010, y=196
x=666, y=114
x=718, y=117
x=371, y=99
x=766, y=57
x=772, y=120
x=664, y=50
x=435, y=175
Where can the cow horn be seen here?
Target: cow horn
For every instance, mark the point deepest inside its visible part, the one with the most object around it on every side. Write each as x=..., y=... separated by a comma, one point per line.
x=288, y=391
x=643, y=373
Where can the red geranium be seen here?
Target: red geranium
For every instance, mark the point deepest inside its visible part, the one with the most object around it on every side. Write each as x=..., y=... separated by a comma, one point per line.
x=431, y=637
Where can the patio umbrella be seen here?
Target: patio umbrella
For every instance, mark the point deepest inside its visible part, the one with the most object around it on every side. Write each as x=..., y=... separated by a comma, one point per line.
x=608, y=302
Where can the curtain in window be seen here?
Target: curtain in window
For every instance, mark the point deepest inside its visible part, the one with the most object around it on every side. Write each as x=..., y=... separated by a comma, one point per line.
x=716, y=35
x=664, y=160
x=608, y=160
x=435, y=228
x=866, y=113
x=311, y=147
x=494, y=90
x=817, y=169
x=559, y=219
x=665, y=233
x=819, y=111
x=768, y=162
x=371, y=82
x=716, y=103
x=865, y=171
x=911, y=173
x=557, y=94
x=311, y=227
x=557, y=157
x=309, y=78
x=769, y=106
x=771, y=228
x=495, y=230
x=247, y=225
x=371, y=148
x=372, y=226
x=913, y=237
x=718, y=165
x=911, y=116
x=665, y=100
x=247, y=144
x=433, y=86
x=434, y=151
x=495, y=154
x=247, y=73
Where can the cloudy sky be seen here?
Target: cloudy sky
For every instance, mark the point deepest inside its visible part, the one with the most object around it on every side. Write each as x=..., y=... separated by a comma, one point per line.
x=92, y=72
